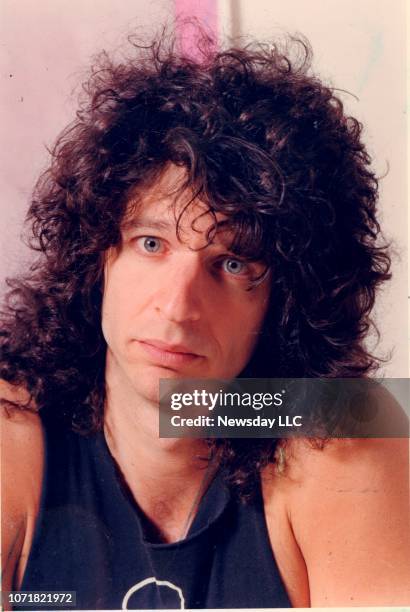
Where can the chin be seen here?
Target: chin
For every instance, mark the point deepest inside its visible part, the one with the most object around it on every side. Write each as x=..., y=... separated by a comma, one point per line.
x=146, y=383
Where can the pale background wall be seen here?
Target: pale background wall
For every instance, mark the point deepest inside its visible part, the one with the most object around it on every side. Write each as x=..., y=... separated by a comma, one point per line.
x=359, y=46
x=46, y=47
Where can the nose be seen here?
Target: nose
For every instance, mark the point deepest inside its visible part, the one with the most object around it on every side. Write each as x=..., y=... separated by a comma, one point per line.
x=182, y=290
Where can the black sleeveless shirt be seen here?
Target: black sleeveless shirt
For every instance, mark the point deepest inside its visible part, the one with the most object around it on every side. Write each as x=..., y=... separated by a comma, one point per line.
x=89, y=539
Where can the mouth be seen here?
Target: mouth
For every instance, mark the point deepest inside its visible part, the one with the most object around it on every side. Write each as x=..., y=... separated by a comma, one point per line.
x=169, y=355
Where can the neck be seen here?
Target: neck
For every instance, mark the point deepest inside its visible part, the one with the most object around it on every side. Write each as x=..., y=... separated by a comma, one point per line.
x=135, y=445
x=131, y=429
x=163, y=475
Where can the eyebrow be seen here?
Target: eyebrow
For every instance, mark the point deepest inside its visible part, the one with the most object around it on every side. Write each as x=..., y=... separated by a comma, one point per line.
x=159, y=224
x=147, y=222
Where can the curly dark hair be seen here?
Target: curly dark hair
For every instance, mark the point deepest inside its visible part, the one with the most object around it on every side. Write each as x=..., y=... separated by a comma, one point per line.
x=264, y=142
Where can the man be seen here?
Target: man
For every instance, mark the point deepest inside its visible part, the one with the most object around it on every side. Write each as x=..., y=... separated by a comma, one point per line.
x=207, y=219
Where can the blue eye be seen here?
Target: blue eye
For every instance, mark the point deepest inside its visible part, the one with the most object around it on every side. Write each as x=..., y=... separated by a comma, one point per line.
x=151, y=244
x=233, y=266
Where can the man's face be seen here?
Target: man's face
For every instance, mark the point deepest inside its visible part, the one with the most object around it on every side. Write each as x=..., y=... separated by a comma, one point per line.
x=174, y=307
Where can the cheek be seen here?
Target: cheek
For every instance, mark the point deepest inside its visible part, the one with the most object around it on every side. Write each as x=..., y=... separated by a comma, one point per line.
x=242, y=331
x=117, y=304
x=109, y=320
x=255, y=311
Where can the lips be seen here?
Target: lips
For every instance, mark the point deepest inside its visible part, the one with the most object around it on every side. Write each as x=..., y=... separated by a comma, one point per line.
x=169, y=355
x=171, y=348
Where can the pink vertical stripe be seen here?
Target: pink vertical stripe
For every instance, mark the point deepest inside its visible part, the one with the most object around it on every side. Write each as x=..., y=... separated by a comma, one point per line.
x=205, y=12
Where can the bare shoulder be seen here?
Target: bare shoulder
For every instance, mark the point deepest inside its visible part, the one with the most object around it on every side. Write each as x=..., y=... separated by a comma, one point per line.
x=22, y=457
x=348, y=509
x=21, y=430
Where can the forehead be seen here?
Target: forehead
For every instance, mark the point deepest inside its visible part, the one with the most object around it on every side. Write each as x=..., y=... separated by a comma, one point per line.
x=169, y=203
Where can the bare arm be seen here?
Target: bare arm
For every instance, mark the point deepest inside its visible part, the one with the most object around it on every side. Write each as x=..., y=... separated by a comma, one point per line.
x=21, y=477
x=347, y=507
